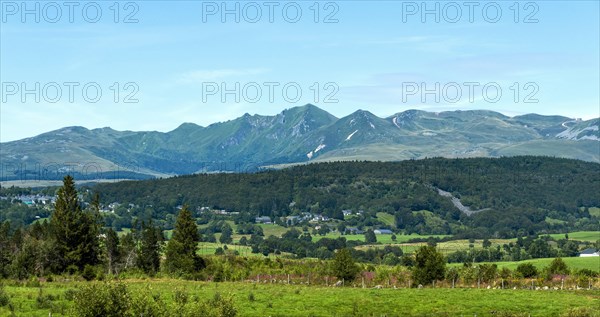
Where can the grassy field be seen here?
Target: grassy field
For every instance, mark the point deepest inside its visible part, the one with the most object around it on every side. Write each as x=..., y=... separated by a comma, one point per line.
x=381, y=238
x=595, y=211
x=592, y=236
x=299, y=300
x=591, y=263
x=386, y=218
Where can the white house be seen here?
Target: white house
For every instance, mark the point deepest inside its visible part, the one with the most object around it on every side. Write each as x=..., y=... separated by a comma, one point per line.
x=589, y=252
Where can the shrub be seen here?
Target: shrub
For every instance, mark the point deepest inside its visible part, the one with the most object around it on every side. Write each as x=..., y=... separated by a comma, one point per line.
x=32, y=282
x=143, y=303
x=70, y=294
x=581, y=312
x=558, y=266
x=43, y=301
x=105, y=299
x=586, y=273
x=180, y=297
x=527, y=270
x=89, y=272
x=218, y=306
x=4, y=299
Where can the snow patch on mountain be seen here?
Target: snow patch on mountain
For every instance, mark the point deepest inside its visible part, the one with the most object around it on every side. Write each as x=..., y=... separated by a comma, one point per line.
x=574, y=134
x=312, y=153
x=350, y=136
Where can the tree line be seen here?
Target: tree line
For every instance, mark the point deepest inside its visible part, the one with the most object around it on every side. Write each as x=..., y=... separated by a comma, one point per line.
x=517, y=194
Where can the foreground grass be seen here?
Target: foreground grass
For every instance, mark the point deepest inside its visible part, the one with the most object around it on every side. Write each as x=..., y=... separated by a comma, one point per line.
x=299, y=300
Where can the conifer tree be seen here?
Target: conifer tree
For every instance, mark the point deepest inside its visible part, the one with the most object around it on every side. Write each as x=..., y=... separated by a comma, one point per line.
x=75, y=231
x=181, y=253
x=148, y=253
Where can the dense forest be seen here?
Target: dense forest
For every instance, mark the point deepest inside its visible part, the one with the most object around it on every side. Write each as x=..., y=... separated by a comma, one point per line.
x=515, y=196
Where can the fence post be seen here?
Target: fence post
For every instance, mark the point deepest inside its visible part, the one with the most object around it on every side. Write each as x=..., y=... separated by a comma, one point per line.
x=562, y=283
x=363, y=282
x=288, y=278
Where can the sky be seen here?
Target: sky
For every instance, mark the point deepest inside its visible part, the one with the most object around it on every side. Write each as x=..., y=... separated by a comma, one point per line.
x=153, y=65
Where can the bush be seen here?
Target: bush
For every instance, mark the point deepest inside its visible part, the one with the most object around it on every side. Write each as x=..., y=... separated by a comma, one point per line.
x=527, y=270
x=180, y=297
x=43, y=301
x=70, y=294
x=105, y=299
x=581, y=312
x=89, y=272
x=218, y=306
x=143, y=303
x=4, y=299
x=586, y=273
x=558, y=266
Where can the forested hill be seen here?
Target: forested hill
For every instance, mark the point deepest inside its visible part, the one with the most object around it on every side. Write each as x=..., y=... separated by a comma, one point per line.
x=517, y=193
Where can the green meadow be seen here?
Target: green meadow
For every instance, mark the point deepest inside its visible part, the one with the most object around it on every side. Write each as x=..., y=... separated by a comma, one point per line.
x=578, y=263
x=299, y=300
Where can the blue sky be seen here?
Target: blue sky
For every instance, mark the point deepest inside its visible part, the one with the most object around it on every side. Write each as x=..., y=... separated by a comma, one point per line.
x=372, y=56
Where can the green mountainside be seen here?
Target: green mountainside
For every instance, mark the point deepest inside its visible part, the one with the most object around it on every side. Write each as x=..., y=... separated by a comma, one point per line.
x=296, y=135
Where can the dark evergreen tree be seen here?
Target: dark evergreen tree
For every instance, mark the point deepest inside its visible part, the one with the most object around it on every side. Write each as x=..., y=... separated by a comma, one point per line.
x=5, y=249
x=370, y=236
x=226, y=232
x=113, y=253
x=75, y=231
x=430, y=265
x=181, y=252
x=344, y=267
x=148, y=257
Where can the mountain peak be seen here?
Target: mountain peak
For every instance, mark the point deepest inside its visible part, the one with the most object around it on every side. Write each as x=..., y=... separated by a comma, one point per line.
x=304, y=133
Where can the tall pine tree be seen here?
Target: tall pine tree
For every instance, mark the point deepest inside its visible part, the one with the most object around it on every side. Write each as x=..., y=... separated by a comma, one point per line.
x=75, y=231
x=181, y=254
x=148, y=253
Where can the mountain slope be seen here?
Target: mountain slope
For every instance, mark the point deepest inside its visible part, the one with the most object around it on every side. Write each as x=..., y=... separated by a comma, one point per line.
x=296, y=135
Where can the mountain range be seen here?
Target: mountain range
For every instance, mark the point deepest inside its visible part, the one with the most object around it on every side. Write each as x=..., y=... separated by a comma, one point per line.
x=296, y=135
